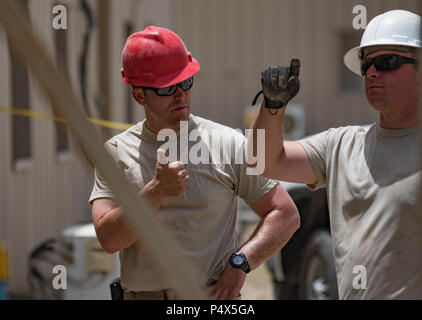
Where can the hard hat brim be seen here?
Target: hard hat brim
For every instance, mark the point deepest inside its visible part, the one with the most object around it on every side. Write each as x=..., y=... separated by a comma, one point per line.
x=168, y=80
x=352, y=61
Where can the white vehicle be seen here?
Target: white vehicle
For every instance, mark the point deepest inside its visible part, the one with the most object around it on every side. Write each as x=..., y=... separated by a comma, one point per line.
x=85, y=269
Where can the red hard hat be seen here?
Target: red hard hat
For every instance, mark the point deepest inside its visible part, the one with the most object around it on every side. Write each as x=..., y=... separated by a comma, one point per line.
x=156, y=57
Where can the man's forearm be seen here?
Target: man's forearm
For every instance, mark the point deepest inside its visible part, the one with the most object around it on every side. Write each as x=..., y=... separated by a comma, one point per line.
x=114, y=230
x=274, y=139
x=271, y=234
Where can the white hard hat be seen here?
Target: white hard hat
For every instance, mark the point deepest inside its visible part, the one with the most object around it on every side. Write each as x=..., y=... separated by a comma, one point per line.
x=392, y=28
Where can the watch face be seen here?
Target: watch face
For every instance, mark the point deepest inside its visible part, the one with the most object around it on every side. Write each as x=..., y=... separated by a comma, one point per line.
x=238, y=260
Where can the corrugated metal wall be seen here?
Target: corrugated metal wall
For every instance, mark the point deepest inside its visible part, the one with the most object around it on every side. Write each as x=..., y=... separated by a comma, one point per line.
x=232, y=39
x=49, y=191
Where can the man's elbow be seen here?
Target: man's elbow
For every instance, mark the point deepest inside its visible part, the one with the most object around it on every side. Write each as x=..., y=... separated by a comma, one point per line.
x=293, y=218
x=109, y=248
x=105, y=241
x=107, y=245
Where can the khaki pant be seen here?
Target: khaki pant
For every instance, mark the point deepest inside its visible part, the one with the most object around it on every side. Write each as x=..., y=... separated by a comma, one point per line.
x=155, y=295
x=150, y=295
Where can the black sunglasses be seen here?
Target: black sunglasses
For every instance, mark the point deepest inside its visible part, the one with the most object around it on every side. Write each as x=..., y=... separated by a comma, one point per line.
x=168, y=91
x=385, y=62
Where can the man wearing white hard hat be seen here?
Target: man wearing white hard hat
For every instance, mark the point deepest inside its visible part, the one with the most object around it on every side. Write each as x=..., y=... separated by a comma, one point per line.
x=372, y=176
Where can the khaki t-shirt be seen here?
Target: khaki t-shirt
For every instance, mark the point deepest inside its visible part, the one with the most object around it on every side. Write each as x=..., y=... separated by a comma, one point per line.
x=202, y=220
x=373, y=185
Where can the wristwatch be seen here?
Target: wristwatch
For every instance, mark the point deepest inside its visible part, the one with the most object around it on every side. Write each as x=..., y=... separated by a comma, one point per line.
x=238, y=261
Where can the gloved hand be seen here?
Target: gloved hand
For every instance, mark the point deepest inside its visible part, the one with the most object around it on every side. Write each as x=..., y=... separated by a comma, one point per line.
x=280, y=84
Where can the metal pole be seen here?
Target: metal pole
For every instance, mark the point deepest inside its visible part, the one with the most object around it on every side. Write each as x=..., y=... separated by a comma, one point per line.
x=162, y=256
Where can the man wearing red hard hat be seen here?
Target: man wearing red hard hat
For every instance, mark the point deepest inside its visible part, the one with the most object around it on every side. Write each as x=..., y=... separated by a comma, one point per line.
x=197, y=202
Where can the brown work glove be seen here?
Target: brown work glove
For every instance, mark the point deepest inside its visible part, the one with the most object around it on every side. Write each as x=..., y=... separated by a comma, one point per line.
x=280, y=84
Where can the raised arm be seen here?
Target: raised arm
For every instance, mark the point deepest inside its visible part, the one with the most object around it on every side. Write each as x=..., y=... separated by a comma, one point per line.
x=284, y=160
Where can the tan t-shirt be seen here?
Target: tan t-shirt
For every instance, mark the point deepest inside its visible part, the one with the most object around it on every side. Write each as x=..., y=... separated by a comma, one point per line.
x=373, y=184
x=202, y=220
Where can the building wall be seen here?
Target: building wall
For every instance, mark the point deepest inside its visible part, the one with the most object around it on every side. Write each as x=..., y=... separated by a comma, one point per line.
x=48, y=192
x=233, y=41
x=42, y=195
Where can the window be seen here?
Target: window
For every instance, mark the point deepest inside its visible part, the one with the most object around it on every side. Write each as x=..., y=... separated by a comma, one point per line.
x=21, y=125
x=129, y=99
x=21, y=143
x=60, y=41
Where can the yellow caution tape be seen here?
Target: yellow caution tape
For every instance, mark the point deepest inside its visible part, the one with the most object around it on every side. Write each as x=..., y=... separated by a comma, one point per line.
x=40, y=115
x=111, y=124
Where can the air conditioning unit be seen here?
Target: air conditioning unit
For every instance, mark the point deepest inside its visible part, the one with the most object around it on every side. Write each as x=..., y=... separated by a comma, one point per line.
x=294, y=122
x=92, y=268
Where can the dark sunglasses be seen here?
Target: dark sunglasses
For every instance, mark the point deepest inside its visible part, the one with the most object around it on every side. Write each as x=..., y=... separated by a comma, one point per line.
x=385, y=62
x=168, y=91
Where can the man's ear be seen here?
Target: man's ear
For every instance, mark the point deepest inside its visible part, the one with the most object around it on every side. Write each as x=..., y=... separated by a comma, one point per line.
x=139, y=95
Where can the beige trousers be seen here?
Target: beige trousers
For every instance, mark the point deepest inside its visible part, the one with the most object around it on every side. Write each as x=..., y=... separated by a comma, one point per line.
x=155, y=295
x=150, y=295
